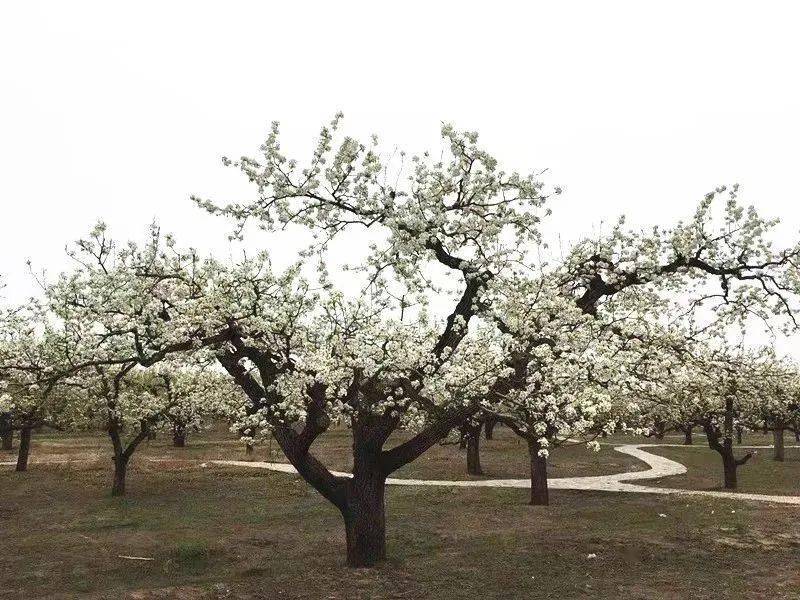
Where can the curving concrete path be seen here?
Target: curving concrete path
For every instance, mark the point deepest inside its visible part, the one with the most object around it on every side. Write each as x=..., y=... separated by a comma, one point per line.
x=659, y=467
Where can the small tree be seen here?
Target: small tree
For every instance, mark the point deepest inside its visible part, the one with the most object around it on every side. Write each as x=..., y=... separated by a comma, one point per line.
x=114, y=328
x=568, y=360
x=127, y=408
x=778, y=409
x=726, y=399
x=716, y=389
x=34, y=393
x=193, y=393
x=467, y=436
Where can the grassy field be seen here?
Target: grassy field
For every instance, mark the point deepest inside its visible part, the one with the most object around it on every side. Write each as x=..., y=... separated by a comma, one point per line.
x=505, y=456
x=760, y=475
x=219, y=532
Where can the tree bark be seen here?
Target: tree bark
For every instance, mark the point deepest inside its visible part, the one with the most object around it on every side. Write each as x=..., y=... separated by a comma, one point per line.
x=777, y=436
x=488, y=427
x=120, y=471
x=687, y=436
x=474, y=453
x=179, y=436
x=6, y=432
x=725, y=448
x=24, y=449
x=539, y=493
x=729, y=466
x=122, y=454
x=364, y=511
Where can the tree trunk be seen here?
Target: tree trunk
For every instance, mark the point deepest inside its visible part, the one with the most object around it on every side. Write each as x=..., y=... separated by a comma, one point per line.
x=488, y=427
x=729, y=462
x=725, y=448
x=777, y=436
x=364, y=512
x=24, y=449
x=687, y=436
x=120, y=468
x=474, y=452
x=179, y=436
x=729, y=465
x=539, y=492
x=6, y=432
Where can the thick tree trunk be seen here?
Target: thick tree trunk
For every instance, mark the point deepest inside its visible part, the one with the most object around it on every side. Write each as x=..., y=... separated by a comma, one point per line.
x=120, y=470
x=488, y=427
x=179, y=436
x=687, y=436
x=364, y=512
x=474, y=453
x=777, y=436
x=539, y=492
x=24, y=449
x=6, y=432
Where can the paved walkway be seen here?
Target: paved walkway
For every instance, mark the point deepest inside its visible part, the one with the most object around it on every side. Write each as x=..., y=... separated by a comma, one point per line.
x=659, y=467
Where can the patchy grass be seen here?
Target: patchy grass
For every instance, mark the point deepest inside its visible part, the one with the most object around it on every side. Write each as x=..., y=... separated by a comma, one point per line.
x=760, y=475
x=506, y=456
x=223, y=532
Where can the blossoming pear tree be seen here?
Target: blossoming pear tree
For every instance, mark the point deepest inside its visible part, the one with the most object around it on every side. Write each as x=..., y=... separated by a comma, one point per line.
x=114, y=327
x=32, y=395
x=581, y=369
x=718, y=388
x=306, y=360
x=391, y=362
x=461, y=215
x=777, y=405
x=194, y=395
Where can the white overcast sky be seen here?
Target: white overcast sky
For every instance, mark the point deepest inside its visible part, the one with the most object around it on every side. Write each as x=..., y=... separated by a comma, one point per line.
x=120, y=111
